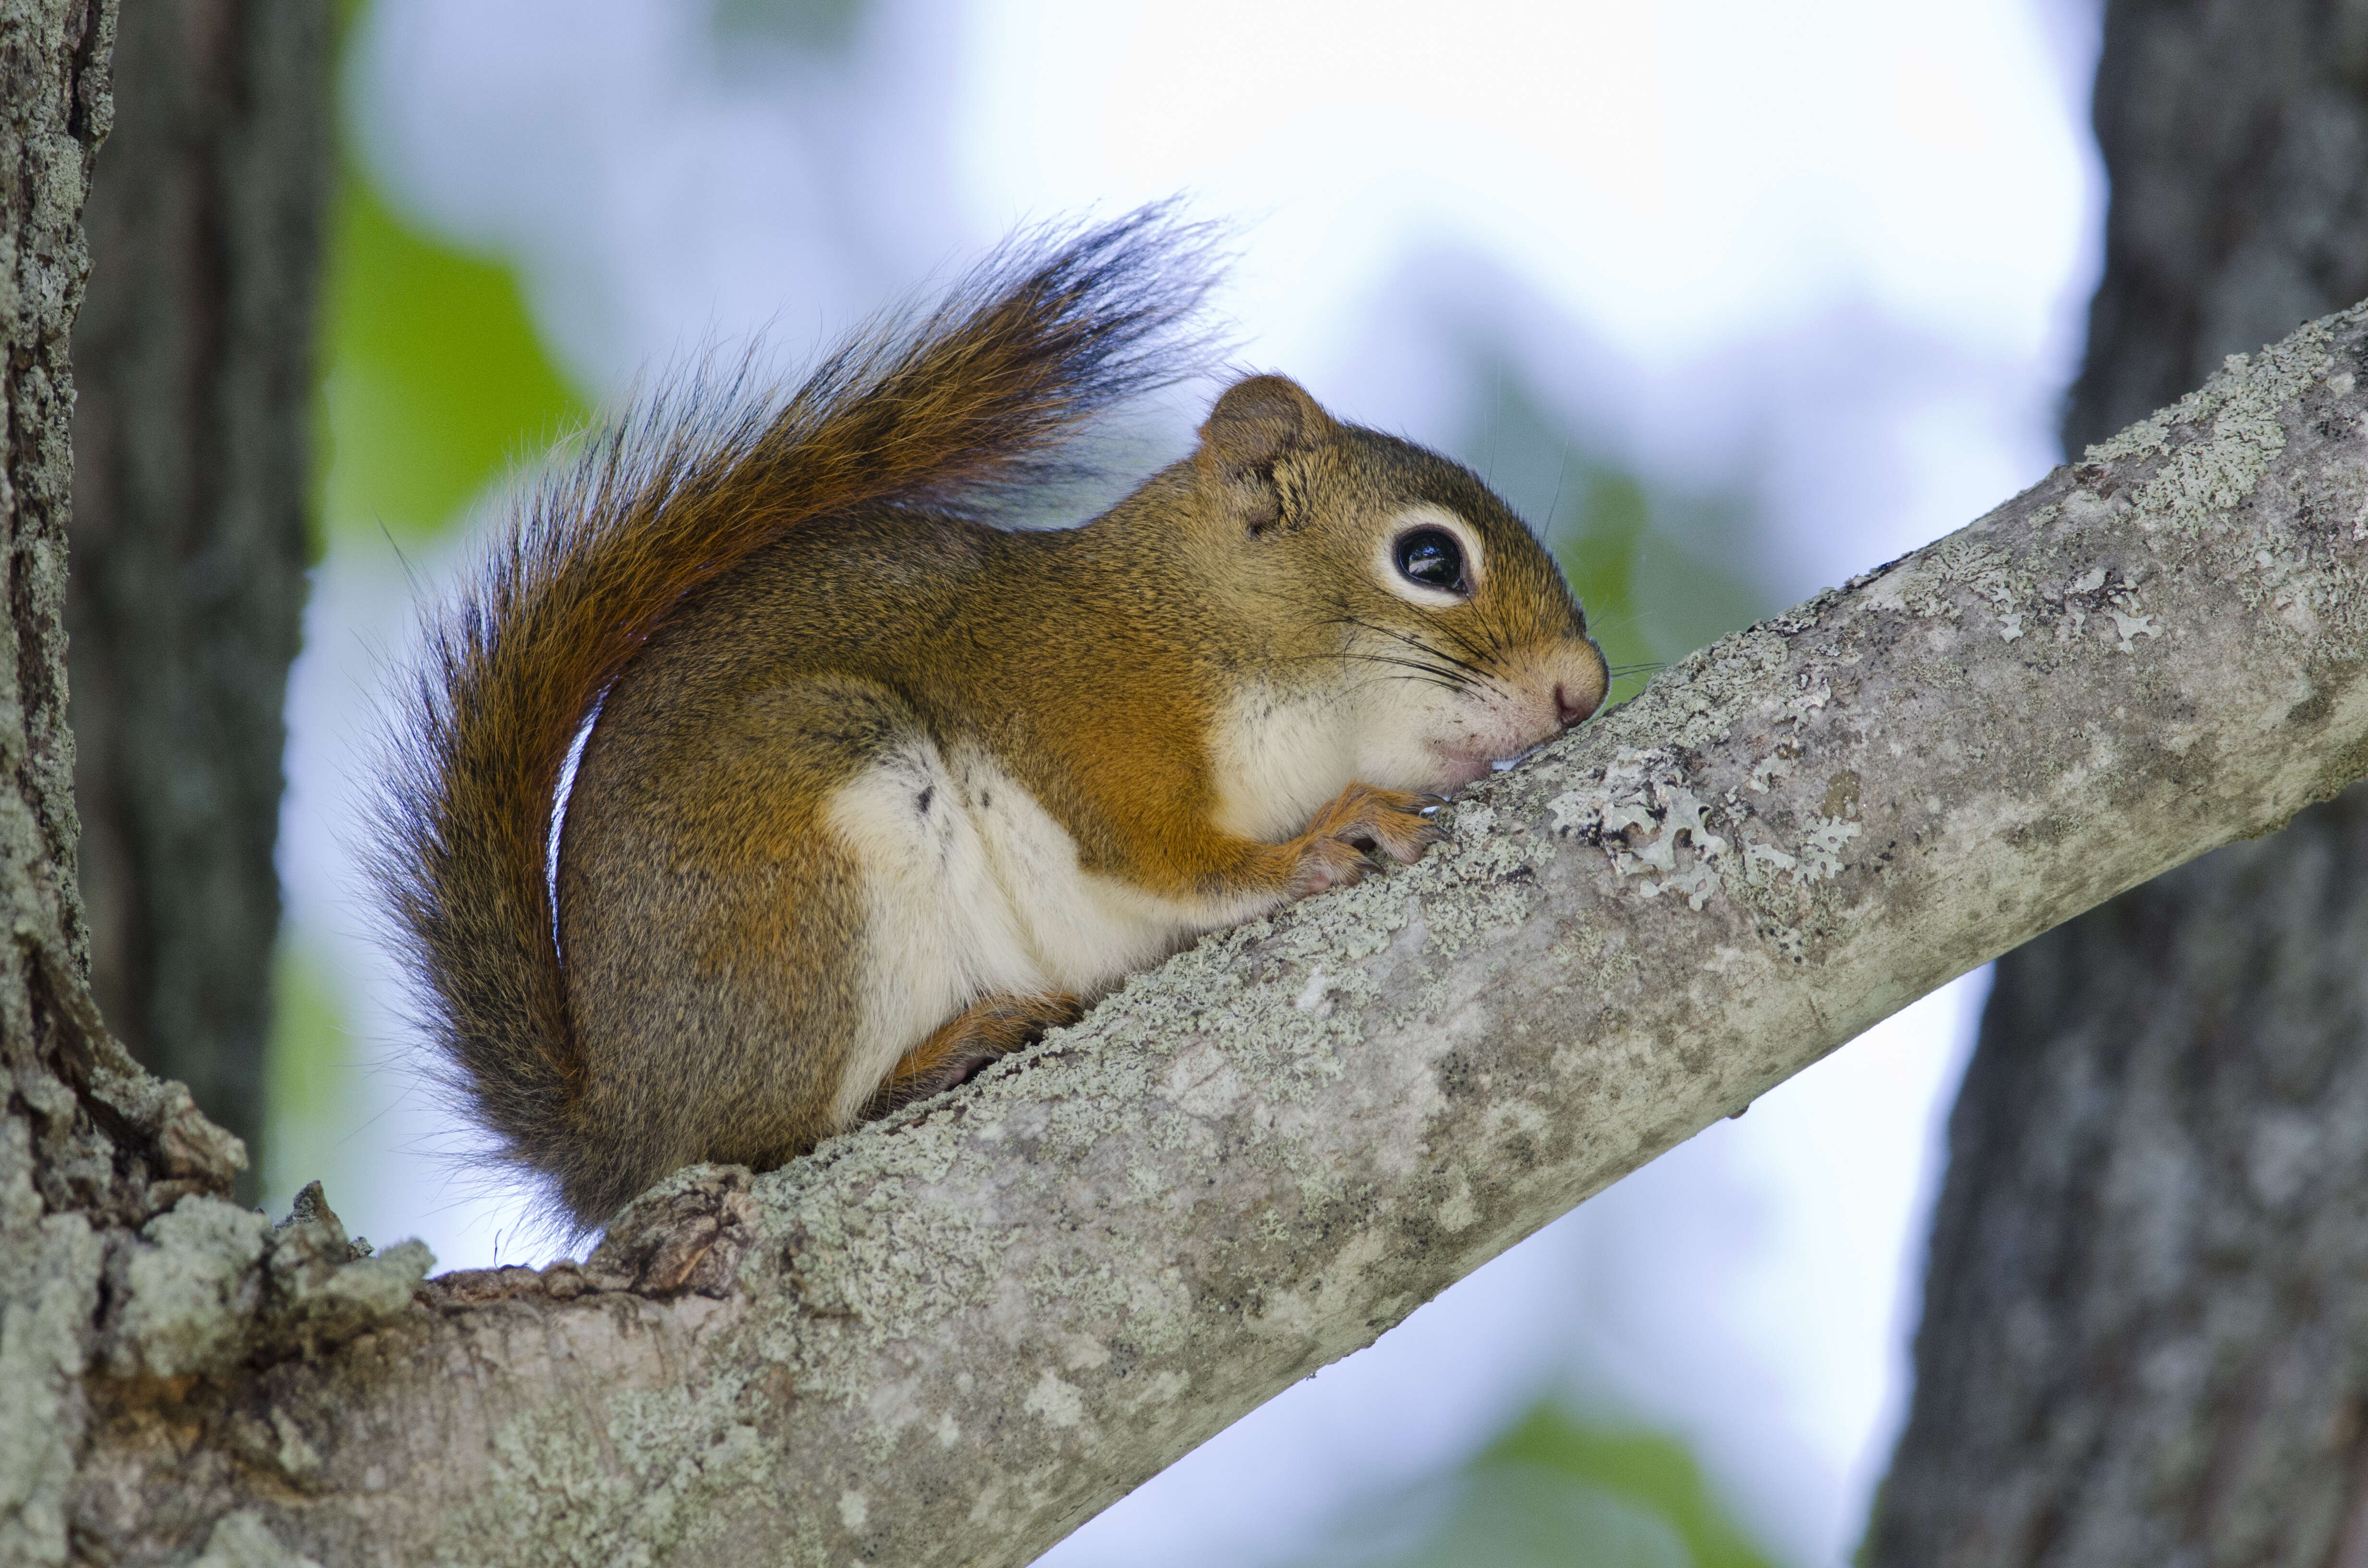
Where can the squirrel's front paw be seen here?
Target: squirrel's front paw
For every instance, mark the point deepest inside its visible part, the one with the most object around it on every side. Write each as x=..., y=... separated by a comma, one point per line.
x=1362, y=823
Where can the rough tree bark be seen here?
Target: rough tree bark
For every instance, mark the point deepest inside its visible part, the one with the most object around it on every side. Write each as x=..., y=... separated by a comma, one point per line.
x=89, y=1145
x=2145, y=1330
x=2235, y=133
x=191, y=447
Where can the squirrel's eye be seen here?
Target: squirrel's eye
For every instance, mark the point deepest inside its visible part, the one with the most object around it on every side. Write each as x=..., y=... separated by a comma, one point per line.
x=1432, y=558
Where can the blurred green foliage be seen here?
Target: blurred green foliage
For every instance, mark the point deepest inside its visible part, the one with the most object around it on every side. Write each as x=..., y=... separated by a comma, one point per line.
x=1653, y=1472
x=434, y=382
x=308, y=1074
x=1554, y=1491
x=305, y=1078
x=801, y=24
x=1660, y=575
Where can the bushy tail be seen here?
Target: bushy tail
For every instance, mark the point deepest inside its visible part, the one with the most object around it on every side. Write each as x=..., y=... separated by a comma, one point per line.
x=973, y=400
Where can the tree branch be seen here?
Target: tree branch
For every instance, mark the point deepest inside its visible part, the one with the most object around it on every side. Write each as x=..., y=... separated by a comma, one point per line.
x=952, y=1338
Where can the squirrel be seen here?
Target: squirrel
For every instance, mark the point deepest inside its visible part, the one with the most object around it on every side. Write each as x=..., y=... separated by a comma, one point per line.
x=868, y=791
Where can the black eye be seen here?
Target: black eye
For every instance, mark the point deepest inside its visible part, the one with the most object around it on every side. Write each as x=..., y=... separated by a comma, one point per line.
x=1432, y=557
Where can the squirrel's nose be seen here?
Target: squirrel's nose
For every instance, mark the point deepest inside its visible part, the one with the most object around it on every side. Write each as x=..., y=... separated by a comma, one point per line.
x=1583, y=680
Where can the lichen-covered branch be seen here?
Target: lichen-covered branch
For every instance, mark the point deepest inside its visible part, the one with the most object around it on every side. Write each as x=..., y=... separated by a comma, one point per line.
x=952, y=1336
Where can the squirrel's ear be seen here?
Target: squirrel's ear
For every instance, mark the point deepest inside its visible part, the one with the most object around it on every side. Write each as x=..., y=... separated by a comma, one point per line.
x=1257, y=422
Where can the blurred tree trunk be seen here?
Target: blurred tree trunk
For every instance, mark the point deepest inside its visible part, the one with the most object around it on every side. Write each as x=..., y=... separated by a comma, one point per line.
x=2145, y=1324
x=88, y=1145
x=194, y=354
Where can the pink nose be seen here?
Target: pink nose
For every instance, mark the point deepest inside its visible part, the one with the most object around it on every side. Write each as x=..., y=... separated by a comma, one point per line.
x=1572, y=713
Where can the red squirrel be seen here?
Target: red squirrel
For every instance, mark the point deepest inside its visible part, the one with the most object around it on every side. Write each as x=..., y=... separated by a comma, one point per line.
x=874, y=790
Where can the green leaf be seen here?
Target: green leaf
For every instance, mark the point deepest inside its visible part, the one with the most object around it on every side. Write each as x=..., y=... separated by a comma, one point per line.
x=1553, y=1492
x=1646, y=1469
x=1656, y=571
x=434, y=383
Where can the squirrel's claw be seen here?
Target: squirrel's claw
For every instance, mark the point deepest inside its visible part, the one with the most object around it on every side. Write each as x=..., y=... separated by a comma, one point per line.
x=1350, y=838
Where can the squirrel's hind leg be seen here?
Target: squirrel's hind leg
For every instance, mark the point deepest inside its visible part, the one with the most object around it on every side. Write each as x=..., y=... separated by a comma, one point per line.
x=989, y=1028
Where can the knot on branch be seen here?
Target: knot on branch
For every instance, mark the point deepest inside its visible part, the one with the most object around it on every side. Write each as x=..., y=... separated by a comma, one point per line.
x=324, y=1287
x=687, y=1235
x=117, y=1145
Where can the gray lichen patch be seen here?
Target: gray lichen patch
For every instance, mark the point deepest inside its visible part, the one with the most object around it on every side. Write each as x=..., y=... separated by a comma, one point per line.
x=1967, y=560
x=1663, y=832
x=2216, y=448
x=186, y=1290
x=242, y=1539
x=2246, y=395
x=642, y=1490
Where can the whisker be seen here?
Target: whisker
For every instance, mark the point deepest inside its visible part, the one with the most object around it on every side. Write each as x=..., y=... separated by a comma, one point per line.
x=1418, y=673
x=1465, y=642
x=1553, y=507
x=1414, y=643
x=1433, y=673
x=1448, y=678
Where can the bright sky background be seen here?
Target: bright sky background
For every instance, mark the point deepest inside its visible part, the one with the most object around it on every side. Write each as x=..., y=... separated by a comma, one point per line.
x=1833, y=254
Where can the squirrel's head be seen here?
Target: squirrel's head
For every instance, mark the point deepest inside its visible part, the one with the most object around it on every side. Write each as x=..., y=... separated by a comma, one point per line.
x=1390, y=598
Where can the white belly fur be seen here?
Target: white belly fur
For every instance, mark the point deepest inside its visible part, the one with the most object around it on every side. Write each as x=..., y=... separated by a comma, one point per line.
x=1278, y=757
x=977, y=893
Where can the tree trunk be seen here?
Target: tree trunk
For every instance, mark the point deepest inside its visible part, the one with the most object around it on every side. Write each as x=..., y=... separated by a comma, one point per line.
x=2235, y=134
x=2146, y=1328
x=88, y=1143
x=2145, y=1336
x=192, y=442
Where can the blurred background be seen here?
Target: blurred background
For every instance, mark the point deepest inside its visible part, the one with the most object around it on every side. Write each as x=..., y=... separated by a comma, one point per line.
x=1733, y=301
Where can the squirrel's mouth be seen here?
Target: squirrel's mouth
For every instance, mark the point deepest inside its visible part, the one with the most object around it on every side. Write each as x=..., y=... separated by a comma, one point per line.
x=1467, y=763
x=1508, y=731
x=1457, y=768
x=1507, y=763
x=1461, y=768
